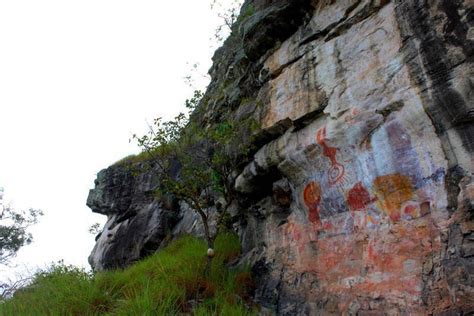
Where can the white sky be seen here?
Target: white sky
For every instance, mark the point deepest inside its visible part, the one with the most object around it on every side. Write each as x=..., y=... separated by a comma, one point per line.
x=77, y=78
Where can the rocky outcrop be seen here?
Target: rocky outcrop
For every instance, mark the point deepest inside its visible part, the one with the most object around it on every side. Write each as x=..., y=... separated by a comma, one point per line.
x=358, y=195
x=138, y=222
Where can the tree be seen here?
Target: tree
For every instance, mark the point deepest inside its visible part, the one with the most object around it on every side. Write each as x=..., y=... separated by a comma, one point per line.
x=192, y=164
x=8, y=288
x=228, y=13
x=13, y=230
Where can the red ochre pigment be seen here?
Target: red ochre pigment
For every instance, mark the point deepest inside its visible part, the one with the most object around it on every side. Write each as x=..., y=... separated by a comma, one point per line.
x=336, y=171
x=358, y=198
x=312, y=197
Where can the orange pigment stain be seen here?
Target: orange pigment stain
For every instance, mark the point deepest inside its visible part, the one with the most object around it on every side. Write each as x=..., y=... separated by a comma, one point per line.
x=392, y=191
x=371, y=219
x=312, y=198
x=392, y=263
x=391, y=257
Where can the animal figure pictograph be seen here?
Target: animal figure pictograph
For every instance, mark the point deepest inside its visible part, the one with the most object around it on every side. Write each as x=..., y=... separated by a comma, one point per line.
x=336, y=171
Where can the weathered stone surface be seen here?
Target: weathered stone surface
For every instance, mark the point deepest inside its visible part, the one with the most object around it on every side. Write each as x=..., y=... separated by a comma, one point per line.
x=138, y=222
x=271, y=24
x=359, y=197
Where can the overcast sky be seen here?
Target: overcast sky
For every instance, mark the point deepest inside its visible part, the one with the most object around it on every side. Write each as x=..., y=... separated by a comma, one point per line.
x=77, y=78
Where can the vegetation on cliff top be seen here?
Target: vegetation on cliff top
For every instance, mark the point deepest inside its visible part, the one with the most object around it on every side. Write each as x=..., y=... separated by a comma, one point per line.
x=170, y=282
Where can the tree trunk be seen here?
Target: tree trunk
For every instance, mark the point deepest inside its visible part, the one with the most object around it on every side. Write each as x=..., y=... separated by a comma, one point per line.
x=209, y=239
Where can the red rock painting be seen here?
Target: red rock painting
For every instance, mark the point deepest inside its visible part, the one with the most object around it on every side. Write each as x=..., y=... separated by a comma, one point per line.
x=336, y=171
x=411, y=210
x=358, y=198
x=312, y=197
x=392, y=259
x=350, y=117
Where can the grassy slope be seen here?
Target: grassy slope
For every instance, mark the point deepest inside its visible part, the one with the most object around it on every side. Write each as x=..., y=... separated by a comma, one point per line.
x=168, y=283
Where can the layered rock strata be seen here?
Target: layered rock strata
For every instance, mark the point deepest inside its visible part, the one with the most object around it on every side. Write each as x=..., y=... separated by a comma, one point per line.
x=358, y=197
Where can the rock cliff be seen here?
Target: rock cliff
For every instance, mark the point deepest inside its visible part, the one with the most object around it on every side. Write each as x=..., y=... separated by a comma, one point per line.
x=357, y=197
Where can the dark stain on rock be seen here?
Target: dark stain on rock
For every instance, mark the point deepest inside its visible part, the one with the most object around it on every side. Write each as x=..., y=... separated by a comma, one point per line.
x=431, y=66
x=455, y=31
x=273, y=24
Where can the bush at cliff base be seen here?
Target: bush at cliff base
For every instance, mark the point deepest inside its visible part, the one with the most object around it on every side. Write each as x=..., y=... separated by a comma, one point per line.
x=171, y=282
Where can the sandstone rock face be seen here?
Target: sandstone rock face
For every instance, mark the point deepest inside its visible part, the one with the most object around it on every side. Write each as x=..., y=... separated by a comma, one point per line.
x=359, y=197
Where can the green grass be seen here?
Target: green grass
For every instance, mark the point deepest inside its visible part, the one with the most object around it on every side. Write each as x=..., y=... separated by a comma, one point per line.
x=133, y=159
x=170, y=282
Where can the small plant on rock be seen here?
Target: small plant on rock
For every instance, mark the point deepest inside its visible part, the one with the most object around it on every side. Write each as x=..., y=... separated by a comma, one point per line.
x=192, y=164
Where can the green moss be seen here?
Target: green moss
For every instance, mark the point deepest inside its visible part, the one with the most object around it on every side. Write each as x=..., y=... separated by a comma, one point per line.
x=246, y=13
x=246, y=100
x=164, y=284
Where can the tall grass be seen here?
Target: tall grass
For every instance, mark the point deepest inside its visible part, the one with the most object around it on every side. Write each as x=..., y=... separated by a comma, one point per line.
x=171, y=282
